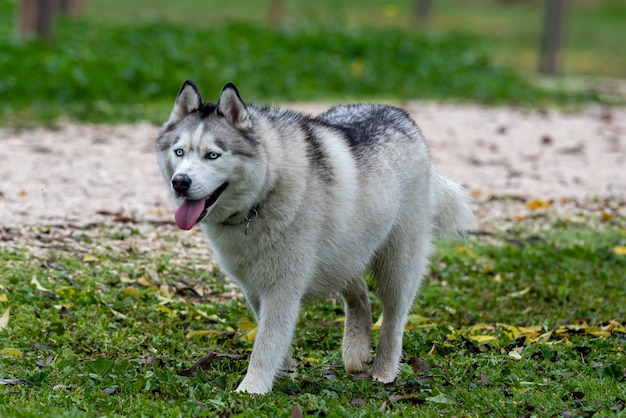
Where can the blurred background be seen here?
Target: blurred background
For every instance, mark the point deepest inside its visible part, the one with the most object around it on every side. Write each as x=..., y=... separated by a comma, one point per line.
x=120, y=60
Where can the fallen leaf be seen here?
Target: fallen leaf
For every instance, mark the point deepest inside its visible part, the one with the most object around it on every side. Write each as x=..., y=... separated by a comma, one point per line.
x=11, y=352
x=145, y=282
x=117, y=314
x=482, y=338
x=537, y=204
x=4, y=319
x=132, y=292
x=519, y=293
x=4, y=297
x=515, y=355
x=38, y=285
x=296, y=411
x=483, y=379
x=357, y=402
x=202, y=333
x=510, y=331
x=620, y=250
x=90, y=258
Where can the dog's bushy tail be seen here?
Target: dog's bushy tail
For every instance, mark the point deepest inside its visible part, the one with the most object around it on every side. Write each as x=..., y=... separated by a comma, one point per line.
x=453, y=215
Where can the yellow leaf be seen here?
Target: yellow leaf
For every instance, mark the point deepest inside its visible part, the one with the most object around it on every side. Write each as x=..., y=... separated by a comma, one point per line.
x=249, y=336
x=4, y=319
x=606, y=217
x=65, y=291
x=465, y=250
x=246, y=325
x=250, y=328
x=480, y=327
x=537, y=204
x=598, y=332
x=417, y=319
x=309, y=360
x=619, y=249
x=510, y=331
x=531, y=329
x=4, y=297
x=171, y=313
x=145, y=282
x=166, y=294
x=132, y=292
x=515, y=355
x=89, y=258
x=497, y=278
x=202, y=333
x=126, y=279
x=378, y=323
x=11, y=352
x=483, y=338
x=38, y=285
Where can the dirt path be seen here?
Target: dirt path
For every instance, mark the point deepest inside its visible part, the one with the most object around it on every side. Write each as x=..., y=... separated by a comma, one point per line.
x=84, y=173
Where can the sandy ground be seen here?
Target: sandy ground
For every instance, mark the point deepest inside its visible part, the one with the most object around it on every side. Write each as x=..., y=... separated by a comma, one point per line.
x=81, y=174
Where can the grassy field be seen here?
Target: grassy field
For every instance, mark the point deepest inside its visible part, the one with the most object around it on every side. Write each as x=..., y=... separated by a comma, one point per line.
x=510, y=31
x=128, y=320
x=104, y=71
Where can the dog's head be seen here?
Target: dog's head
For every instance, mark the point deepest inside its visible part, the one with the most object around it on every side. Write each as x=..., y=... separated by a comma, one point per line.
x=210, y=156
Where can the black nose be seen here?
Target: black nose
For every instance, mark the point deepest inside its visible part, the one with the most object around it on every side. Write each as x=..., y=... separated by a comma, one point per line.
x=181, y=183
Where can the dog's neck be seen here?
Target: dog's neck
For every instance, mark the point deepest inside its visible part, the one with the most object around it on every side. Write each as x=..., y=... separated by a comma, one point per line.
x=237, y=219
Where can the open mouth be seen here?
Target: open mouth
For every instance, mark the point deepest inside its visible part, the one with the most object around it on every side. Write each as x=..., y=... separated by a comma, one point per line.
x=190, y=212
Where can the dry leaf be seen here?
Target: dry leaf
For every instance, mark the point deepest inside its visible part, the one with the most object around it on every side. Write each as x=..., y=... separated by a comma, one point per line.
x=482, y=338
x=4, y=319
x=89, y=258
x=4, y=297
x=11, y=352
x=38, y=285
x=537, y=204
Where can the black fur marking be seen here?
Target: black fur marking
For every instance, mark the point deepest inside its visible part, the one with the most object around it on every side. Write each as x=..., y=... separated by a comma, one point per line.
x=365, y=127
x=317, y=155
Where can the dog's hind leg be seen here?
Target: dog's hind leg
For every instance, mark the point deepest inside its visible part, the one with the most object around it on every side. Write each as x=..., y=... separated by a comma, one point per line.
x=358, y=327
x=398, y=271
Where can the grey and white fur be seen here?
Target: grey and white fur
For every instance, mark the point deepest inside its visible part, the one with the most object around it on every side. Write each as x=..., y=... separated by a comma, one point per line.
x=296, y=207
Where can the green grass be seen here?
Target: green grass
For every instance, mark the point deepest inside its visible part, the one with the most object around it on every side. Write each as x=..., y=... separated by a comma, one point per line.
x=100, y=319
x=509, y=30
x=118, y=73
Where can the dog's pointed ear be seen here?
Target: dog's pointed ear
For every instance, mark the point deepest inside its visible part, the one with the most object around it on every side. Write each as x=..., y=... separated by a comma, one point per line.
x=233, y=108
x=187, y=101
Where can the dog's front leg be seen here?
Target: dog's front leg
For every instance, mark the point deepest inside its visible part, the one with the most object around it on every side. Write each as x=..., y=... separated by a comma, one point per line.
x=277, y=319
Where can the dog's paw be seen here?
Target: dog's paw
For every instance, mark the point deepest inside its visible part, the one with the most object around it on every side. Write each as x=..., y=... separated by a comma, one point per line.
x=383, y=371
x=250, y=386
x=356, y=357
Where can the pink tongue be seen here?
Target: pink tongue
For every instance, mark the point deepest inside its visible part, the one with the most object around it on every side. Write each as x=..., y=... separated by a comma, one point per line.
x=188, y=212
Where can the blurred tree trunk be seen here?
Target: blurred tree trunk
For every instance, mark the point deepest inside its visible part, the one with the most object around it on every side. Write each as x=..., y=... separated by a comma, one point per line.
x=422, y=11
x=276, y=13
x=37, y=17
x=552, y=37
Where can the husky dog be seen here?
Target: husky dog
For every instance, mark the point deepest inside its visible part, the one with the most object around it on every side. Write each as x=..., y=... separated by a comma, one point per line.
x=295, y=207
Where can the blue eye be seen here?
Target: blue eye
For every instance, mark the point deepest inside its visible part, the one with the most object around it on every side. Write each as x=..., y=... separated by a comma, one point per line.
x=179, y=152
x=212, y=156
